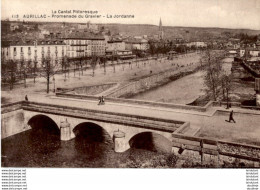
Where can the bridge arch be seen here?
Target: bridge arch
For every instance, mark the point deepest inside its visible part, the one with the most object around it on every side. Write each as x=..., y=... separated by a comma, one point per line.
x=92, y=130
x=92, y=139
x=40, y=122
x=152, y=141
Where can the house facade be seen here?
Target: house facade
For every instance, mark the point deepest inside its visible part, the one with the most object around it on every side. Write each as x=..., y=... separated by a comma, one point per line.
x=34, y=50
x=83, y=44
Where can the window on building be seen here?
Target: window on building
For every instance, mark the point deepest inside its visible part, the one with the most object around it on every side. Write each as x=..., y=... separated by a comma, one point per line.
x=21, y=49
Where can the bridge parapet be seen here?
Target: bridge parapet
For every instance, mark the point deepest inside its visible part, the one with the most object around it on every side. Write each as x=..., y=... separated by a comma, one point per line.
x=165, y=125
x=138, y=102
x=11, y=107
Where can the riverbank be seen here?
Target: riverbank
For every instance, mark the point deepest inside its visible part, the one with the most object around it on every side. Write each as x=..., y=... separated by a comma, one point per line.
x=171, y=89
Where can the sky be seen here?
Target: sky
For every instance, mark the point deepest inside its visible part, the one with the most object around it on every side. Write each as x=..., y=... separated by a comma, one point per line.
x=190, y=13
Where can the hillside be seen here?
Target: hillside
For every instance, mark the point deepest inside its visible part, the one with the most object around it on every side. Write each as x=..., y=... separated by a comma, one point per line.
x=171, y=32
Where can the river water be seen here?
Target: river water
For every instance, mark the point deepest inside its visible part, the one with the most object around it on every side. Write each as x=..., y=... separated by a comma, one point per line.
x=182, y=91
x=92, y=147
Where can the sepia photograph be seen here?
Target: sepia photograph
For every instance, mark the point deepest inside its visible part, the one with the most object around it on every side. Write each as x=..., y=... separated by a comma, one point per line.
x=167, y=84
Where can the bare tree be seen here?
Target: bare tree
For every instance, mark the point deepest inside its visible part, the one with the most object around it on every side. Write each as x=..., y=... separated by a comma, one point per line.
x=104, y=61
x=93, y=64
x=34, y=68
x=75, y=67
x=8, y=72
x=113, y=63
x=27, y=68
x=226, y=86
x=64, y=66
x=48, y=69
x=81, y=63
x=23, y=71
x=212, y=79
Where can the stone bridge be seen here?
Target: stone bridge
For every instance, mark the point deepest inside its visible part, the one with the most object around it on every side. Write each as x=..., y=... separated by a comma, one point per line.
x=121, y=128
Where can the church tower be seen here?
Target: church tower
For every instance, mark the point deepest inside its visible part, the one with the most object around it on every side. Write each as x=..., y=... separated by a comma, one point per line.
x=161, y=33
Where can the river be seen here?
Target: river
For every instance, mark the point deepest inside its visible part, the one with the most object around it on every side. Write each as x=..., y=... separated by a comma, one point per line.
x=182, y=91
x=92, y=147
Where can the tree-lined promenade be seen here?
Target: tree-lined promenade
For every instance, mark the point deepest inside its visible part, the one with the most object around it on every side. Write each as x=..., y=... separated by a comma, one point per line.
x=94, y=72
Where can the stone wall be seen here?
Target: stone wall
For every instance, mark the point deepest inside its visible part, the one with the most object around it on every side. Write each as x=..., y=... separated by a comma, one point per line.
x=89, y=90
x=12, y=123
x=144, y=84
x=219, y=153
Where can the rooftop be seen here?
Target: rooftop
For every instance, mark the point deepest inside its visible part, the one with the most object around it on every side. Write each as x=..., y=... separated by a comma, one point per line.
x=84, y=35
x=29, y=42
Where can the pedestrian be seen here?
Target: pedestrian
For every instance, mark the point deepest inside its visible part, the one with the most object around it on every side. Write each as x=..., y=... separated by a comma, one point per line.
x=103, y=100
x=231, y=117
x=26, y=98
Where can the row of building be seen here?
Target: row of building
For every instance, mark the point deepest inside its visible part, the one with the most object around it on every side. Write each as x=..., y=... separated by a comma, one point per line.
x=75, y=45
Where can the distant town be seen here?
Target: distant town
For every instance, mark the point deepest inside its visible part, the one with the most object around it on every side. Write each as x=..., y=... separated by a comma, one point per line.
x=31, y=41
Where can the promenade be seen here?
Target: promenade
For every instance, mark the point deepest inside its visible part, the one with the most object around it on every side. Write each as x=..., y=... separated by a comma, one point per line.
x=123, y=74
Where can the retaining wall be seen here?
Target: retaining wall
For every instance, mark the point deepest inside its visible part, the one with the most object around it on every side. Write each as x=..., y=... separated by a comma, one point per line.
x=92, y=90
x=207, y=151
x=145, y=83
